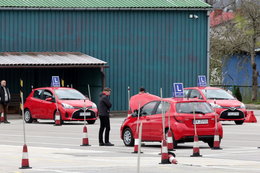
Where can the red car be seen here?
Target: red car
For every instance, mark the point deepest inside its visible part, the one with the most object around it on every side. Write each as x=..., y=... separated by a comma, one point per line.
x=181, y=113
x=225, y=105
x=42, y=103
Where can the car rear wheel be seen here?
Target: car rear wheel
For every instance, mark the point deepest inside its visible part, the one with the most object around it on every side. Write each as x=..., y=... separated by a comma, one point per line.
x=91, y=121
x=239, y=122
x=27, y=116
x=128, y=137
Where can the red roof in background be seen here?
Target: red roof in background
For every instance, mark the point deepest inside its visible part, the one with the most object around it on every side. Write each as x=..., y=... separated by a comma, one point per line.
x=219, y=16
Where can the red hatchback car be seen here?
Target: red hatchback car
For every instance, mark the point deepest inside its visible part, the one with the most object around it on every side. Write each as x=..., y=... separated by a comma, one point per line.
x=181, y=113
x=42, y=103
x=225, y=105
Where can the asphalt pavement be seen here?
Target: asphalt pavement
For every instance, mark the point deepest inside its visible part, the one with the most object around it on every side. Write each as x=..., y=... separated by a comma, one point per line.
x=56, y=149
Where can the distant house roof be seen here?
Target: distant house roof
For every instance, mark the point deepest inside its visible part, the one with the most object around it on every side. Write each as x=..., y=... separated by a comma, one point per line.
x=218, y=17
x=106, y=4
x=48, y=60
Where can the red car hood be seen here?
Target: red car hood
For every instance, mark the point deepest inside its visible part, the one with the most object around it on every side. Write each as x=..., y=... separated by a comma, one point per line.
x=141, y=99
x=77, y=103
x=226, y=103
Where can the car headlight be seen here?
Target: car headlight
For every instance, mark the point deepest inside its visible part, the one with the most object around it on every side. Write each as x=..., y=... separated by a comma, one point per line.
x=215, y=105
x=243, y=106
x=94, y=106
x=67, y=106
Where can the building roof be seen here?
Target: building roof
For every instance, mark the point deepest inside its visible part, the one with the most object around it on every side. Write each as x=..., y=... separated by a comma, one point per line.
x=107, y=4
x=48, y=60
x=217, y=17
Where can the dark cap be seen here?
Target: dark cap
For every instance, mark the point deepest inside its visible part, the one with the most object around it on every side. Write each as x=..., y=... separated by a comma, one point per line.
x=107, y=89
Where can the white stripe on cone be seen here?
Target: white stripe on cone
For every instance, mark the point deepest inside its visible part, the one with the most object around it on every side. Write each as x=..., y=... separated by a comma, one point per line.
x=136, y=141
x=57, y=117
x=196, y=144
x=25, y=155
x=169, y=140
x=85, y=135
x=216, y=138
x=164, y=149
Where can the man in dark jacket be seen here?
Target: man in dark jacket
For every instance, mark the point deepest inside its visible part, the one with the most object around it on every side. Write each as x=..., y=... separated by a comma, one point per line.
x=5, y=98
x=103, y=109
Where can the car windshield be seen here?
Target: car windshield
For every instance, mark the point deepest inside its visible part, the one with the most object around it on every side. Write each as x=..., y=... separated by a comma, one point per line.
x=217, y=94
x=69, y=94
x=194, y=107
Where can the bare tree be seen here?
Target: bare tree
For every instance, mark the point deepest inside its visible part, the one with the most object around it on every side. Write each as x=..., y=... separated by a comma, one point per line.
x=237, y=36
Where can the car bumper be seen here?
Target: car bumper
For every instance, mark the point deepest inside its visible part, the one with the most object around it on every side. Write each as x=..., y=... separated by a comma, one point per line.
x=184, y=133
x=231, y=115
x=75, y=114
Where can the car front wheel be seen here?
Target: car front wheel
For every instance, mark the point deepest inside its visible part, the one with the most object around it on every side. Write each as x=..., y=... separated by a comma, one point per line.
x=27, y=116
x=128, y=137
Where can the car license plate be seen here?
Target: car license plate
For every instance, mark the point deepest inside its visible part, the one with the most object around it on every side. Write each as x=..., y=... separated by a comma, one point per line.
x=233, y=113
x=86, y=114
x=205, y=121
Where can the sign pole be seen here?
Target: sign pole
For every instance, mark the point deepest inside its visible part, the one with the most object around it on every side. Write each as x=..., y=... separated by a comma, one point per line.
x=89, y=92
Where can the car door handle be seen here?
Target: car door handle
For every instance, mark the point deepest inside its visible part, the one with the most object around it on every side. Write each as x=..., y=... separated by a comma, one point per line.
x=148, y=119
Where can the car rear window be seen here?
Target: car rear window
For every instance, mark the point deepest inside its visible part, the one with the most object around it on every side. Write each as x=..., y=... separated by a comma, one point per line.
x=194, y=107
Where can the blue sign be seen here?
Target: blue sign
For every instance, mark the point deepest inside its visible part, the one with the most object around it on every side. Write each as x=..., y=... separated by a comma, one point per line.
x=178, y=90
x=55, y=81
x=202, y=81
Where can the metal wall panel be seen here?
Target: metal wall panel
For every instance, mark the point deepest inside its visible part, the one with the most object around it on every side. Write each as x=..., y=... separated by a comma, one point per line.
x=152, y=49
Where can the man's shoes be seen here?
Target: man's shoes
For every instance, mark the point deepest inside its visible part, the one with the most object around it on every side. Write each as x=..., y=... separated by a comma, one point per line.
x=101, y=144
x=108, y=144
x=6, y=122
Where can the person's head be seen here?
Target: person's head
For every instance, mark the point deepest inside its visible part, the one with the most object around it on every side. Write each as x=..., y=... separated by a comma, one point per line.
x=142, y=90
x=3, y=83
x=107, y=91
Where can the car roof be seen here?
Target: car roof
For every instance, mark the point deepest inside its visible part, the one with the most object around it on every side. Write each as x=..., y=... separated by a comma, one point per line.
x=183, y=100
x=207, y=88
x=52, y=88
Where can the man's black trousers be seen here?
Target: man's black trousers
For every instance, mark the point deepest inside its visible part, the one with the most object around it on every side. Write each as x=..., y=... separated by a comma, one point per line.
x=104, y=124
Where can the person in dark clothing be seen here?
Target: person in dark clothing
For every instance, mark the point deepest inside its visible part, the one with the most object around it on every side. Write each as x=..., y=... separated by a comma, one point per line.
x=103, y=109
x=5, y=98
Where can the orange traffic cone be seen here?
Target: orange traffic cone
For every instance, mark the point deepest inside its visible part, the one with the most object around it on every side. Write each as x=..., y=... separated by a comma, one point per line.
x=169, y=141
x=164, y=153
x=136, y=146
x=216, y=144
x=196, y=149
x=172, y=159
x=57, y=118
x=25, y=160
x=250, y=118
x=85, y=137
x=2, y=119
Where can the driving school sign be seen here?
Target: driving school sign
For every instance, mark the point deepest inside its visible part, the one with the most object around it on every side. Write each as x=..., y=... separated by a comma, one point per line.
x=55, y=81
x=178, y=90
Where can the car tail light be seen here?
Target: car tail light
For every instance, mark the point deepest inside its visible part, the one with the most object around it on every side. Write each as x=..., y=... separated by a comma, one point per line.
x=179, y=119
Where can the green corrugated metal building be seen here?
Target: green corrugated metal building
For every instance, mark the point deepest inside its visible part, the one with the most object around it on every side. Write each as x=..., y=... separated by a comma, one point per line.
x=149, y=43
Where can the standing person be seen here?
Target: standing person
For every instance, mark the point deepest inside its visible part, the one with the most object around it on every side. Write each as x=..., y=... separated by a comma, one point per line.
x=5, y=98
x=103, y=109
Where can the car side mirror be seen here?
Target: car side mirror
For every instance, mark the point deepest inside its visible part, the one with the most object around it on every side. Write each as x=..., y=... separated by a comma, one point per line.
x=50, y=99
